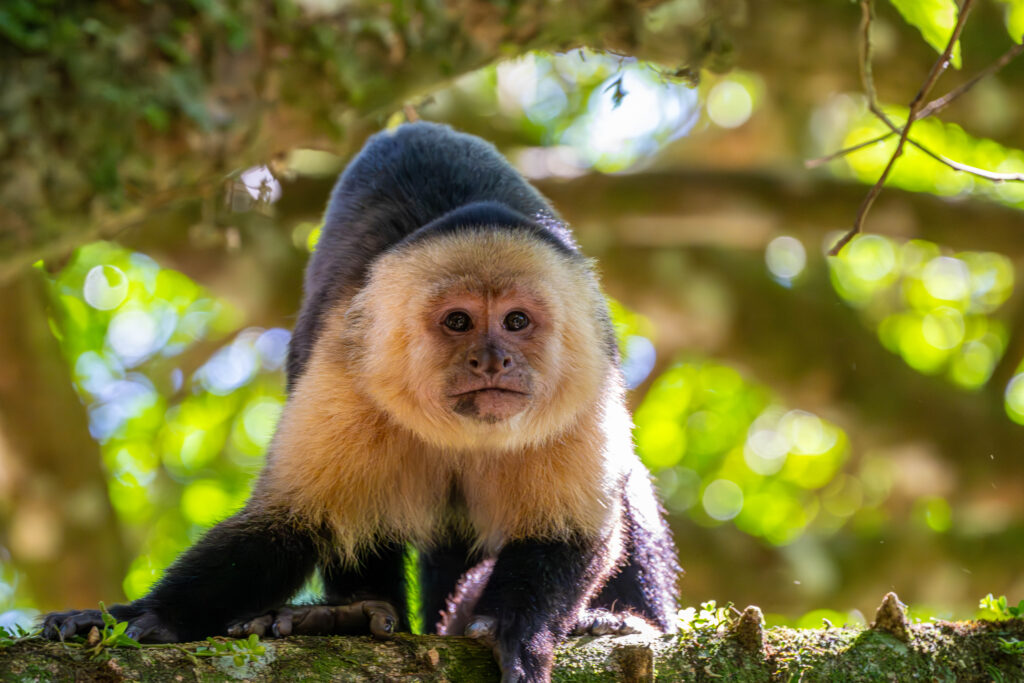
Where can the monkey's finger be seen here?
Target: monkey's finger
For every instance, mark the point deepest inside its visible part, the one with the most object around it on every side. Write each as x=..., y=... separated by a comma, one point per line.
x=150, y=628
x=60, y=625
x=257, y=627
x=282, y=626
x=383, y=618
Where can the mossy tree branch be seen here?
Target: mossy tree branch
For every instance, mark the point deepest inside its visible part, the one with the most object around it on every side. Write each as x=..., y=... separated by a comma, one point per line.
x=740, y=651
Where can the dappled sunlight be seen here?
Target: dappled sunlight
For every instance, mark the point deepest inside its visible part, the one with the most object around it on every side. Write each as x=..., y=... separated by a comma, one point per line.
x=590, y=109
x=182, y=436
x=933, y=308
x=722, y=450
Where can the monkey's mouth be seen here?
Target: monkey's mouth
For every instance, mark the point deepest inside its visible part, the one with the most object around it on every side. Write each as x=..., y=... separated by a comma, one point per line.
x=486, y=390
x=490, y=404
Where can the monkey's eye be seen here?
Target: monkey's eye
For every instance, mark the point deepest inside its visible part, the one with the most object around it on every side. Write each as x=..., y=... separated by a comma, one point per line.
x=515, y=321
x=457, y=321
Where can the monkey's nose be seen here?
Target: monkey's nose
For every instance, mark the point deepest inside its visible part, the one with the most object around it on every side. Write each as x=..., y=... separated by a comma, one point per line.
x=490, y=361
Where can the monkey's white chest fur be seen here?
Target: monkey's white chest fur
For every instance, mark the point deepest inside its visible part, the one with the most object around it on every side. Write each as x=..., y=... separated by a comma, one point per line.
x=340, y=463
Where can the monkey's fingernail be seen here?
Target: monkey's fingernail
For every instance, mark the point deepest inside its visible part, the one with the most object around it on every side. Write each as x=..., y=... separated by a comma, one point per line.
x=480, y=628
x=134, y=633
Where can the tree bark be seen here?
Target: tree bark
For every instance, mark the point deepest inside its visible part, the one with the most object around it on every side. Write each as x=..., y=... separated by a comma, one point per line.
x=57, y=519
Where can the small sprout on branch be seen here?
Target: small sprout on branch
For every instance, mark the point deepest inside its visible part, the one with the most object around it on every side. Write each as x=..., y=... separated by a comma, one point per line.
x=709, y=615
x=15, y=635
x=999, y=609
x=241, y=651
x=112, y=635
x=1012, y=646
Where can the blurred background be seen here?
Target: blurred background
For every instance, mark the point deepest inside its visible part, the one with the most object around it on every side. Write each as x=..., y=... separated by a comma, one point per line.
x=822, y=429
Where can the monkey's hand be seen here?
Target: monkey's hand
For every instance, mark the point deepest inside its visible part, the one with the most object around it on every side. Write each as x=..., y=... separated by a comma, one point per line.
x=375, y=617
x=144, y=625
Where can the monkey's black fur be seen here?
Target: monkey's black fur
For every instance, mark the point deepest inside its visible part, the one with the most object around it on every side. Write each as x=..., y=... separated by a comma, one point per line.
x=421, y=181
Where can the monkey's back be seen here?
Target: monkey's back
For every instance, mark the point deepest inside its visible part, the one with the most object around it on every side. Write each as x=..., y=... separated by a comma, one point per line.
x=401, y=181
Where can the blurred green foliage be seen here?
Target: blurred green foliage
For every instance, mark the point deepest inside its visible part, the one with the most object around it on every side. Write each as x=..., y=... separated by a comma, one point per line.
x=937, y=310
x=722, y=448
x=183, y=416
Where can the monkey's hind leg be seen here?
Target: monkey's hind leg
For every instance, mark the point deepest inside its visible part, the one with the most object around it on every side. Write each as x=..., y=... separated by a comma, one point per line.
x=645, y=585
x=369, y=598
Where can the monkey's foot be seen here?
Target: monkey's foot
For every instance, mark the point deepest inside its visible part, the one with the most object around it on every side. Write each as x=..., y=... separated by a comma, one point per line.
x=375, y=617
x=602, y=622
x=590, y=622
x=143, y=625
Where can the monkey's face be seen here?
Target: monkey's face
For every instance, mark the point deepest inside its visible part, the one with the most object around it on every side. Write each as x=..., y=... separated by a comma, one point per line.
x=490, y=342
x=486, y=340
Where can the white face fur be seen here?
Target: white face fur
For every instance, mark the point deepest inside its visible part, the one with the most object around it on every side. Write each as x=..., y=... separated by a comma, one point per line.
x=482, y=340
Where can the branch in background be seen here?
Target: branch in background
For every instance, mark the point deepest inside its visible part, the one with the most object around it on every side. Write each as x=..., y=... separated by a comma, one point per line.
x=916, y=105
x=932, y=108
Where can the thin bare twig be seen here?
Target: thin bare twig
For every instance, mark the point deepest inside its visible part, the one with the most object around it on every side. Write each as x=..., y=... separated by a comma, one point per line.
x=915, y=106
x=932, y=108
x=940, y=103
x=820, y=161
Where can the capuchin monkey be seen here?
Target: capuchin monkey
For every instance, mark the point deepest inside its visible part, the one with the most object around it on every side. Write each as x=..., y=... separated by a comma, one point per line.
x=454, y=386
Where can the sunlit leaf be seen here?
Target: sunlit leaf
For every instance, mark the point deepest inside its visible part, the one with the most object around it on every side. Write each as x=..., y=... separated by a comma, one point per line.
x=1015, y=19
x=935, y=20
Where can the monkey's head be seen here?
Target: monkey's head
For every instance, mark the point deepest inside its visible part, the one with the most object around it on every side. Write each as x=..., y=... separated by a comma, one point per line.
x=493, y=339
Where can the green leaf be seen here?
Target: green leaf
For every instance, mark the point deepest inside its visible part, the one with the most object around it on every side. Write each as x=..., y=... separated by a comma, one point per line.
x=124, y=641
x=935, y=19
x=1015, y=19
x=239, y=660
x=120, y=628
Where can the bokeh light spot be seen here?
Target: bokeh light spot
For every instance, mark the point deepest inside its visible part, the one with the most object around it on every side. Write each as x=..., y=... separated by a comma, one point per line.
x=1015, y=399
x=106, y=287
x=947, y=278
x=723, y=499
x=785, y=257
x=729, y=104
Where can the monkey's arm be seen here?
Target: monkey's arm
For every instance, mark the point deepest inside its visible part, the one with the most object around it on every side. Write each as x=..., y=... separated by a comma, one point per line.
x=247, y=564
x=532, y=600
